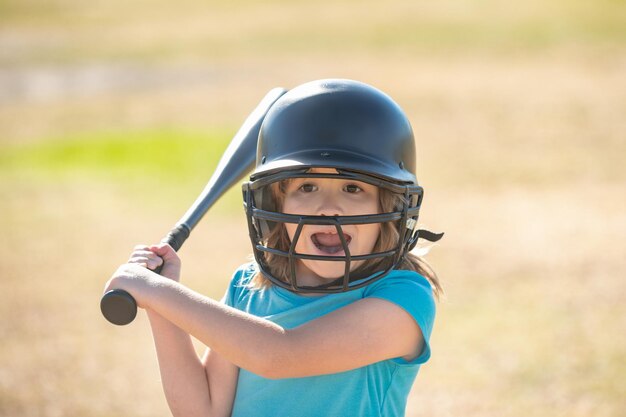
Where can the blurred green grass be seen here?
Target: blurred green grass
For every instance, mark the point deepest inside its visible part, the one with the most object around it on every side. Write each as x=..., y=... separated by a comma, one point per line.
x=160, y=154
x=174, y=163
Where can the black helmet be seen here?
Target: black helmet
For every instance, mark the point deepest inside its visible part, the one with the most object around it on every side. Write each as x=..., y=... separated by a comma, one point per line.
x=338, y=123
x=361, y=133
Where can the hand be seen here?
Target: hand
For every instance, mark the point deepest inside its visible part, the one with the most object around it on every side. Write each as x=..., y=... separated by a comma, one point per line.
x=136, y=280
x=152, y=257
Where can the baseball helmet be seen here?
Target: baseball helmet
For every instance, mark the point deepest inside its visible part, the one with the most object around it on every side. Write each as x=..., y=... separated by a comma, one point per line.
x=364, y=136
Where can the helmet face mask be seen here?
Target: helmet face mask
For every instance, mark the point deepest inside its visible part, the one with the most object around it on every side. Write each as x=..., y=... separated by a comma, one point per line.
x=362, y=135
x=272, y=246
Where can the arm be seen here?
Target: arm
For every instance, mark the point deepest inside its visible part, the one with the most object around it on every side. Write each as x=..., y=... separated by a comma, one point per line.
x=192, y=387
x=361, y=333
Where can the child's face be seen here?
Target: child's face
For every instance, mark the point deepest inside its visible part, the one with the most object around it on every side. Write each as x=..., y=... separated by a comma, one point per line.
x=330, y=197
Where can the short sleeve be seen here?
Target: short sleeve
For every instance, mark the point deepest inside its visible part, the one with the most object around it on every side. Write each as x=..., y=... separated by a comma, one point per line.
x=413, y=293
x=239, y=281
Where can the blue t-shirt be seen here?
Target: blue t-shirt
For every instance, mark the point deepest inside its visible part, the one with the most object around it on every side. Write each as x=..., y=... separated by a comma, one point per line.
x=379, y=389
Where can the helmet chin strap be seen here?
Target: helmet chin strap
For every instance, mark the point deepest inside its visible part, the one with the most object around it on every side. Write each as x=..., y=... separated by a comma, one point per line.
x=422, y=234
x=428, y=235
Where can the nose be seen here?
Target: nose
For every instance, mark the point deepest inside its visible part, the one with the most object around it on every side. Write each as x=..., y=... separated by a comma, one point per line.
x=328, y=205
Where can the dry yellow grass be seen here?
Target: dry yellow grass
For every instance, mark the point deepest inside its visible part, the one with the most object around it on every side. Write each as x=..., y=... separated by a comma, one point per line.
x=521, y=140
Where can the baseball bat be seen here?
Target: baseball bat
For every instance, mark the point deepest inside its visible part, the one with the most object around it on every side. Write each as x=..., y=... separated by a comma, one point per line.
x=118, y=306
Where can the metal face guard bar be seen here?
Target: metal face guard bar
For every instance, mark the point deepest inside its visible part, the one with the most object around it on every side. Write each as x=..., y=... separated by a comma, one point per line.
x=341, y=174
x=294, y=255
x=259, y=218
x=341, y=220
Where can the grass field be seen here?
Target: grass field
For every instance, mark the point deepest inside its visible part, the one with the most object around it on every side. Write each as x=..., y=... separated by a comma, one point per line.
x=112, y=117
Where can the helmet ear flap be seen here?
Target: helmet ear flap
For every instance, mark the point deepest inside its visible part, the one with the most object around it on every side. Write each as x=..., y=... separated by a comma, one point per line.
x=263, y=199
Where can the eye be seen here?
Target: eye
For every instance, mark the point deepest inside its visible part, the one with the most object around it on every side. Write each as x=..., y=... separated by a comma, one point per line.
x=352, y=188
x=307, y=188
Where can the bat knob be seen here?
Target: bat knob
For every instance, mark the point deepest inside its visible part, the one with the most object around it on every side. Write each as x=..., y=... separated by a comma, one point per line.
x=118, y=307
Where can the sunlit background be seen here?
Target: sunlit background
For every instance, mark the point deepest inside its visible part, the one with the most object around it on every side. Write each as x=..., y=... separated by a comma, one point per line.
x=113, y=115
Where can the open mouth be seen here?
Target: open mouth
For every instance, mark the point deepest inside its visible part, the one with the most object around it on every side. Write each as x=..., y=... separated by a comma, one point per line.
x=329, y=243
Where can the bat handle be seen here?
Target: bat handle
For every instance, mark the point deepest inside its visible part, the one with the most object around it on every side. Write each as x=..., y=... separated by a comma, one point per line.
x=118, y=306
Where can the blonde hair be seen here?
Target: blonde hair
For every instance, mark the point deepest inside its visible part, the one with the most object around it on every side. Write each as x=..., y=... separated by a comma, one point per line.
x=387, y=240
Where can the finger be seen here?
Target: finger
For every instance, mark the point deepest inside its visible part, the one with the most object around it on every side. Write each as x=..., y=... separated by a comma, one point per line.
x=165, y=251
x=161, y=249
x=151, y=262
x=137, y=259
x=154, y=263
x=144, y=253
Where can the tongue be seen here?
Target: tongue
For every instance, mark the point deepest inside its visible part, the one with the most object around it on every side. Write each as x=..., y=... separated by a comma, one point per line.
x=328, y=239
x=329, y=242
